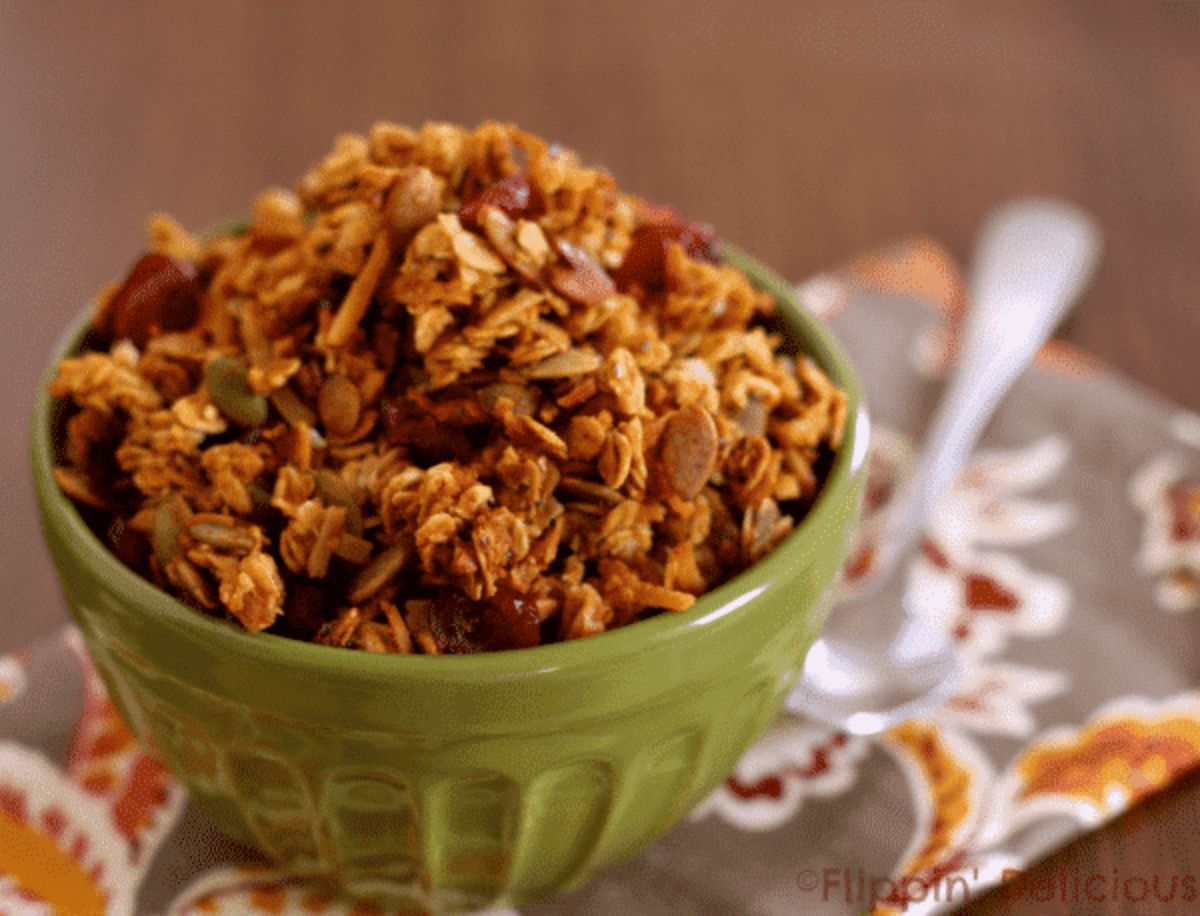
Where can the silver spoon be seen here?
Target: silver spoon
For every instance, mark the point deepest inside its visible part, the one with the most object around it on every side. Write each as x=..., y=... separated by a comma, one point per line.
x=876, y=662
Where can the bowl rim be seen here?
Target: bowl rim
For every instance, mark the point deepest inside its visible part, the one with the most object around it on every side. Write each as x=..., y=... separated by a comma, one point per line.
x=718, y=605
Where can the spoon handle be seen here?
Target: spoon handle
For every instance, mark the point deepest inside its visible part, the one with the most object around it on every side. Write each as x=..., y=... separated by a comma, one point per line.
x=1032, y=260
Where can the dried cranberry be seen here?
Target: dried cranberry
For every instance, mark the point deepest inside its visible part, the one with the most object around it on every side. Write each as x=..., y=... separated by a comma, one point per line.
x=129, y=545
x=519, y=618
x=462, y=626
x=304, y=614
x=391, y=418
x=431, y=441
x=159, y=294
x=661, y=228
x=513, y=195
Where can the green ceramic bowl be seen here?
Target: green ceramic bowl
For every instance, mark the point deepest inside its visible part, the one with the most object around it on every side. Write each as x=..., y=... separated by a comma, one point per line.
x=457, y=781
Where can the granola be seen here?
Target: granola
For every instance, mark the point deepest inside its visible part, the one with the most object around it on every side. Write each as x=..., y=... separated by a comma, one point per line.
x=454, y=393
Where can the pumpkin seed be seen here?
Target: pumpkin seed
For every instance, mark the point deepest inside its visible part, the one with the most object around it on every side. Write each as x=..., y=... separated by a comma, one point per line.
x=354, y=521
x=333, y=490
x=378, y=573
x=169, y=518
x=339, y=405
x=352, y=548
x=689, y=450
x=229, y=389
x=260, y=499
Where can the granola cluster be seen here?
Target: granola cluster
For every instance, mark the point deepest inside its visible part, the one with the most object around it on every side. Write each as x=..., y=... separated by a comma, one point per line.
x=454, y=393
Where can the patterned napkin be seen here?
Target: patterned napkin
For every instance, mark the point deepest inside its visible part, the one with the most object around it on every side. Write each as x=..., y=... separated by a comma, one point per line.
x=1065, y=562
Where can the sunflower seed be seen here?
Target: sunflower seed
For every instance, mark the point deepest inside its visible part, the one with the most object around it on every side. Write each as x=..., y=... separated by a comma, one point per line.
x=378, y=573
x=566, y=365
x=291, y=408
x=224, y=537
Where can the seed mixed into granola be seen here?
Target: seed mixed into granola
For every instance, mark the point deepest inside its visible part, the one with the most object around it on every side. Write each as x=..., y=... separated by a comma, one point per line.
x=455, y=393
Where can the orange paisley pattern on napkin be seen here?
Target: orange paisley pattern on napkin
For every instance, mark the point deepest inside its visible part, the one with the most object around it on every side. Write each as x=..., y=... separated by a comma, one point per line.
x=1131, y=755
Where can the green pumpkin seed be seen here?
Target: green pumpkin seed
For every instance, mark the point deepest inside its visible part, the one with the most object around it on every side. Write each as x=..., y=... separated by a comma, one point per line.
x=260, y=499
x=169, y=519
x=333, y=490
x=229, y=389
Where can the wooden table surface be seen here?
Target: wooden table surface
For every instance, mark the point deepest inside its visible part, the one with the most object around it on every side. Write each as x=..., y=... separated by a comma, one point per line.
x=806, y=132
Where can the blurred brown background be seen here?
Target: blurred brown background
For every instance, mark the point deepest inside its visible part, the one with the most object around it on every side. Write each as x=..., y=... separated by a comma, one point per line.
x=806, y=132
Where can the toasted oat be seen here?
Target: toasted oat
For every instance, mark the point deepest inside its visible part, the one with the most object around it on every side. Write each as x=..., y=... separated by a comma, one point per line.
x=106, y=382
x=380, y=628
x=310, y=538
x=254, y=593
x=232, y=468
